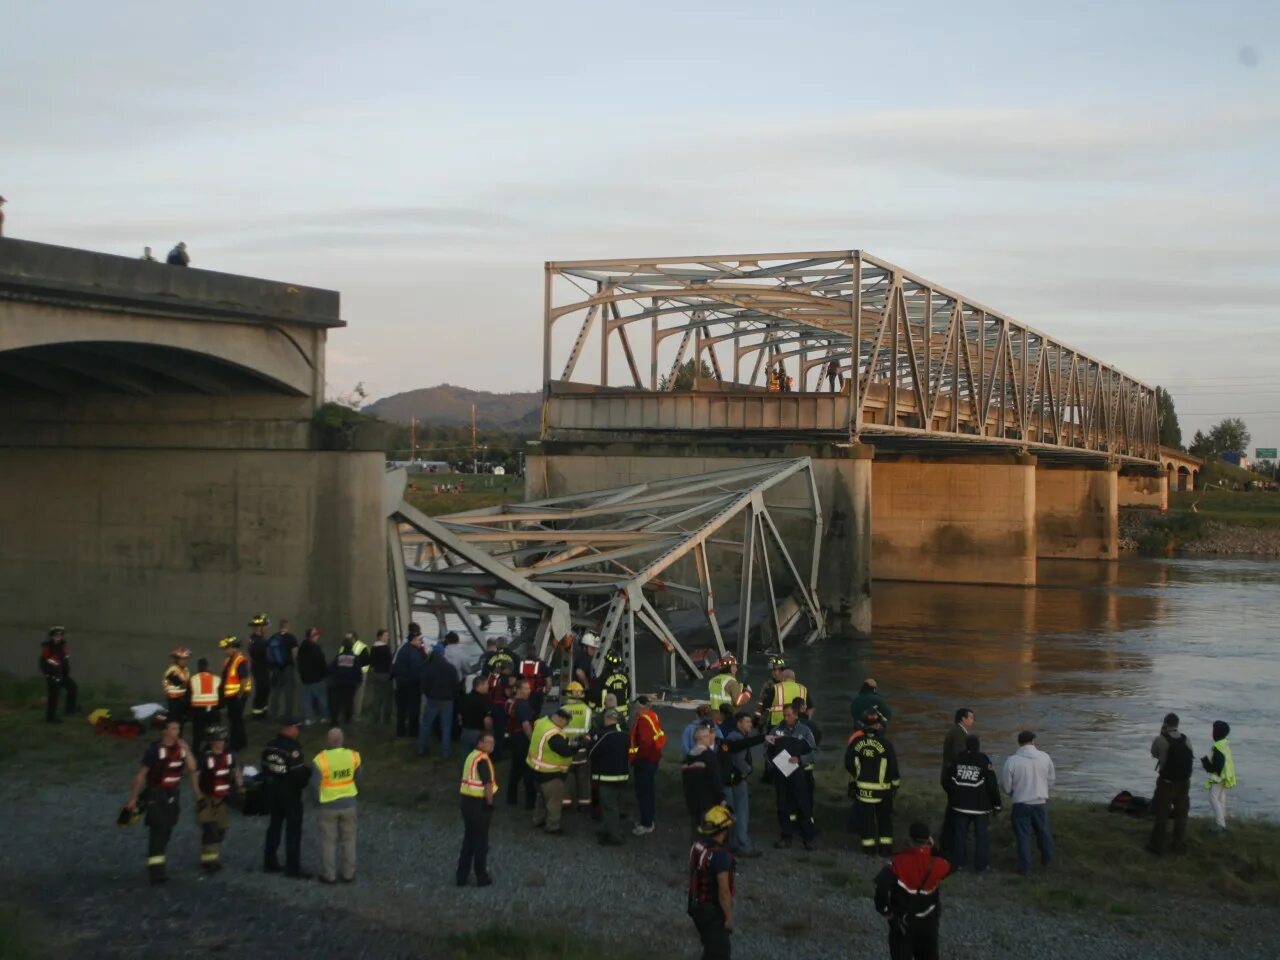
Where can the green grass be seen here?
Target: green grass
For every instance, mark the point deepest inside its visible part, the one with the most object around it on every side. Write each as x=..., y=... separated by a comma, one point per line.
x=483, y=490
x=1236, y=507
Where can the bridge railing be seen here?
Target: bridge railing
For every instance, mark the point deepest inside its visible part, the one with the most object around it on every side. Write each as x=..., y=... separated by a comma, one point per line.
x=908, y=355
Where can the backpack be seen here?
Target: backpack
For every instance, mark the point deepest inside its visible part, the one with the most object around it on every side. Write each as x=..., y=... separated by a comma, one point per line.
x=1178, y=762
x=277, y=652
x=1126, y=802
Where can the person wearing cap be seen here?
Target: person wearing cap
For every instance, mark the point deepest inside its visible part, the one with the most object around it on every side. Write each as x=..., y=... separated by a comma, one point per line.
x=164, y=765
x=579, y=726
x=1028, y=777
x=218, y=775
x=735, y=774
x=907, y=896
x=647, y=740
x=869, y=698
x=55, y=664
x=872, y=763
x=610, y=771
x=583, y=657
x=711, y=884
x=259, y=665
x=287, y=774
x=477, y=790
x=177, y=686
x=550, y=756
x=205, y=704
x=237, y=685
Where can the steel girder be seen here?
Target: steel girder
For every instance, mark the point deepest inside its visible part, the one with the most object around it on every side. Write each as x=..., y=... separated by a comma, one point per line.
x=603, y=559
x=919, y=358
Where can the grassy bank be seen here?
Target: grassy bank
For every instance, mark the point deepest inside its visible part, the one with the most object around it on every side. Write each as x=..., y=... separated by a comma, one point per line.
x=1235, y=507
x=483, y=490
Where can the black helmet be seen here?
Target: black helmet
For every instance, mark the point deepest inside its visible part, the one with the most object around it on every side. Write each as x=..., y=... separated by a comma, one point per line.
x=215, y=733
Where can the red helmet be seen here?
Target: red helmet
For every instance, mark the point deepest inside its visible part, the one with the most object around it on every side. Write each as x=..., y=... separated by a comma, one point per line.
x=727, y=661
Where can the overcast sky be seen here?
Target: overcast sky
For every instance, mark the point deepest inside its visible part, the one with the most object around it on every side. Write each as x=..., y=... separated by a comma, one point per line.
x=1105, y=172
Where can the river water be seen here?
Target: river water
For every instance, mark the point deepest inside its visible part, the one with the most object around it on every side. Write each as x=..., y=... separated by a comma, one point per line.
x=1091, y=659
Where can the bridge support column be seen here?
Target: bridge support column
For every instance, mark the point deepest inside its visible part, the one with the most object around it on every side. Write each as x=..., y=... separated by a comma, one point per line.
x=1076, y=513
x=958, y=520
x=1139, y=487
x=844, y=578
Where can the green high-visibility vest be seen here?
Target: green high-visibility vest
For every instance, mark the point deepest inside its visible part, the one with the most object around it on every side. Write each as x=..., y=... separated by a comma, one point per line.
x=338, y=768
x=580, y=725
x=541, y=757
x=719, y=690
x=784, y=693
x=1228, y=775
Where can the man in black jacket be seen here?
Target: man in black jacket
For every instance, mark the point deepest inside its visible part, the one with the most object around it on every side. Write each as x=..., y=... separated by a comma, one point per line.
x=1174, y=764
x=406, y=673
x=700, y=775
x=973, y=794
x=313, y=674
x=287, y=773
x=440, y=689
x=378, y=699
x=610, y=770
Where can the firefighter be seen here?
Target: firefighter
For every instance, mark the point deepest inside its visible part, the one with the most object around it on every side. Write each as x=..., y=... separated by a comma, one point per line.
x=287, y=774
x=610, y=771
x=873, y=766
x=793, y=791
x=614, y=681
x=205, y=703
x=259, y=665
x=711, y=884
x=579, y=792
x=237, y=685
x=781, y=691
x=535, y=672
x=907, y=895
x=177, y=686
x=163, y=765
x=478, y=788
x=725, y=689
x=218, y=775
x=55, y=665
x=550, y=756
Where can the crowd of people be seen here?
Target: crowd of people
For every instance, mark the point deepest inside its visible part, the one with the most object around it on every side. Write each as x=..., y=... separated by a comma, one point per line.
x=589, y=753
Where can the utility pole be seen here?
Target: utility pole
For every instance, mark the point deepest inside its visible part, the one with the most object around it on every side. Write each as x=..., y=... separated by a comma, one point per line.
x=475, y=463
x=413, y=439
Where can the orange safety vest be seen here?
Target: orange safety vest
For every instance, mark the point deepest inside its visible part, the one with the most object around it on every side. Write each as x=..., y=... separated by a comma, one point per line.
x=233, y=686
x=204, y=690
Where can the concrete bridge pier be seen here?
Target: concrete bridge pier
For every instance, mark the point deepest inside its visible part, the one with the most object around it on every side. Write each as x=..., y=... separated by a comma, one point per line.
x=956, y=519
x=1076, y=513
x=1143, y=487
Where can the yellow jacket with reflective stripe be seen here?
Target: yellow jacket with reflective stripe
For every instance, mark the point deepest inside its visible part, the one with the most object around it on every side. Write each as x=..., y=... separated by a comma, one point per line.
x=784, y=693
x=718, y=690
x=1228, y=775
x=580, y=725
x=337, y=768
x=541, y=758
x=358, y=648
x=472, y=785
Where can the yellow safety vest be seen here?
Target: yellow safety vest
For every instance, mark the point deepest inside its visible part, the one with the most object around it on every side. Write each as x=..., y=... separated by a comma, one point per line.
x=580, y=725
x=541, y=757
x=784, y=693
x=338, y=768
x=472, y=785
x=718, y=689
x=1228, y=775
x=358, y=648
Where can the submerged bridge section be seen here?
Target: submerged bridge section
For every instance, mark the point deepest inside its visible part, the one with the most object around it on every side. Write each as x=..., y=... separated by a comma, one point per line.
x=953, y=442
x=160, y=464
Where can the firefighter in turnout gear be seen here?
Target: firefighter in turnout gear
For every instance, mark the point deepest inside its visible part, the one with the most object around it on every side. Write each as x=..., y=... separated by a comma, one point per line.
x=873, y=765
x=205, y=704
x=711, y=886
x=164, y=764
x=177, y=686
x=218, y=776
x=907, y=896
x=237, y=687
x=614, y=680
x=579, y=792
x=724, y=689
x=259, y=665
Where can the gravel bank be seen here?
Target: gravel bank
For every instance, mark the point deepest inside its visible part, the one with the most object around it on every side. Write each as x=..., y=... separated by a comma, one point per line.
x=1217, y=539
x=86, y=879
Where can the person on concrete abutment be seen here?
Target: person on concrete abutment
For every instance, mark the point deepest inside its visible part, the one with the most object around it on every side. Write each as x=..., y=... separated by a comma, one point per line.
x=1175, y=762
x=1028, y=777
x=337, y=770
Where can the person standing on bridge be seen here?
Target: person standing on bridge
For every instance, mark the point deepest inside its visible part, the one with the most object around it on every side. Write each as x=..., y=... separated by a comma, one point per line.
x=2, y=202
x=178, y=256
x=835, y=379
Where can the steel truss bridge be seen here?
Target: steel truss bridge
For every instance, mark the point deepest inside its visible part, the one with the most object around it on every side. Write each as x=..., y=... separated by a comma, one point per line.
x=918, y=362
x=628, y=561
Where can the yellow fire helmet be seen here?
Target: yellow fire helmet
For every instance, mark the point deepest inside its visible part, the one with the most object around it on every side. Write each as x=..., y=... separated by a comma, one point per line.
x=260, y=620
x=574, y=689
x=226, y=642
x=718, y=818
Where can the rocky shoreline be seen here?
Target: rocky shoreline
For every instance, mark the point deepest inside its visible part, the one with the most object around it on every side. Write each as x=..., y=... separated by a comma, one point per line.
x=1211, y=538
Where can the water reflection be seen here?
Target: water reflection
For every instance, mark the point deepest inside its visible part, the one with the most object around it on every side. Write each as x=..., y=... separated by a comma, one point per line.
x=1091, y=659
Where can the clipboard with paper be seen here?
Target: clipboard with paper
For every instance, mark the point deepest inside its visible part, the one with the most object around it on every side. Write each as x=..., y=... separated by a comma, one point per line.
x=783, y=761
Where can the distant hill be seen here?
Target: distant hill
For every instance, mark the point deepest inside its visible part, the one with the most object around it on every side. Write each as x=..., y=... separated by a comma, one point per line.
x=448, y=405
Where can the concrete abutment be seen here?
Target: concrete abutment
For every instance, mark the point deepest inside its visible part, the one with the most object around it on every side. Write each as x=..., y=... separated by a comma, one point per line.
x=1076, y=513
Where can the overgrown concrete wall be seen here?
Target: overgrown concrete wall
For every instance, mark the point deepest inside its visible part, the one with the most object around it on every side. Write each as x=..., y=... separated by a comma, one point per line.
x=136, y=551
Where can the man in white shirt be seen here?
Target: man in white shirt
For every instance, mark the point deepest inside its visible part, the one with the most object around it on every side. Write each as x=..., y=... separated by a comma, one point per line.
x=1027, y=777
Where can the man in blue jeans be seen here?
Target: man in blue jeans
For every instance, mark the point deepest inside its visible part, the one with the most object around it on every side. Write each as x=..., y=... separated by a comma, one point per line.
x=440, y=688
x=1027, y=777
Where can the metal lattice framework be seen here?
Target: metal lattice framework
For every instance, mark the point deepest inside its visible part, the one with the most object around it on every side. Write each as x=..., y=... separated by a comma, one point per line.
x=609, y=560
x=918, y=358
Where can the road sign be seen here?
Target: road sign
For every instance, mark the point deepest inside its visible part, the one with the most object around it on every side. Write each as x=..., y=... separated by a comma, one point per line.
x=1265, y=453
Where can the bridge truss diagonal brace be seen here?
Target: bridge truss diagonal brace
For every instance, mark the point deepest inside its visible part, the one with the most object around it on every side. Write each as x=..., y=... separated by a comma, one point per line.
x=558, y=561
